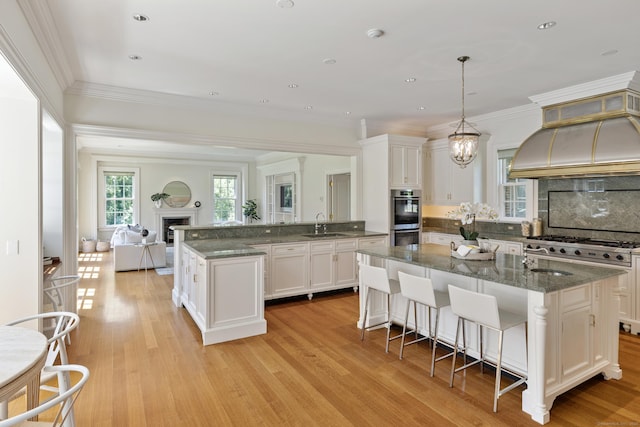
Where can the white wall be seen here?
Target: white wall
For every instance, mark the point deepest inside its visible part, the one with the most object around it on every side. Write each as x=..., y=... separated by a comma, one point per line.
x=52, y=188
x=20, y=252
x=154, y=175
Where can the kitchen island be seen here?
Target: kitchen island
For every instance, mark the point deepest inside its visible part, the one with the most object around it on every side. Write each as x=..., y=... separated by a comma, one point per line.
x=224, y=274
x=572, y=329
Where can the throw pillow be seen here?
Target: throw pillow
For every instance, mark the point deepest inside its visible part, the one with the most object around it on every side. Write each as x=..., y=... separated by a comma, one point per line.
x=132, y=237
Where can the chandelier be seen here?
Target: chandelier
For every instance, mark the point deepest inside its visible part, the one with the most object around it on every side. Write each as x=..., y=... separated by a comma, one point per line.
x=463, y=145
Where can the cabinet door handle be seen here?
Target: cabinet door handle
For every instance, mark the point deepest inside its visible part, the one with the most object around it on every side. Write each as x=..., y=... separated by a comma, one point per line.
x=592, y=318
x=195, y=277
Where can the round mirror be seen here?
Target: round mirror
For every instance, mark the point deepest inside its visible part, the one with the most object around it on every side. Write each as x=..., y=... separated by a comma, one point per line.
x=179, y=194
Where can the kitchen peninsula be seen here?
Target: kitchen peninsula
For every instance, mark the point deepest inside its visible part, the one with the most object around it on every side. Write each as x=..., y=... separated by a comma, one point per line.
x=223, y=275
x=572, y=330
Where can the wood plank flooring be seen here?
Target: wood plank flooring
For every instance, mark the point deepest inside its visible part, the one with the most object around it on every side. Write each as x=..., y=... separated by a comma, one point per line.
x=149, y=368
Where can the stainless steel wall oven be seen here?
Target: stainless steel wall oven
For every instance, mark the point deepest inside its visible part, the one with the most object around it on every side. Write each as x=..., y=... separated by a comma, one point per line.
x=406, y=217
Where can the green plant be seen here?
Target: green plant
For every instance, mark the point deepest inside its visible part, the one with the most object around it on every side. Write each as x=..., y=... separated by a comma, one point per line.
x=159, y=196
x=468, y=235
x=250, y=210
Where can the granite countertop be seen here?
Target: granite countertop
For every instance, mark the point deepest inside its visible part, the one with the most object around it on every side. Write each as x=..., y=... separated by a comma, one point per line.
x=506, y=269
x=226, y=248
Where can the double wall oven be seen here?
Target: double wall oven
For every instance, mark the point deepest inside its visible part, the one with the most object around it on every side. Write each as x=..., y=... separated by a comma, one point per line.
x=406, y=217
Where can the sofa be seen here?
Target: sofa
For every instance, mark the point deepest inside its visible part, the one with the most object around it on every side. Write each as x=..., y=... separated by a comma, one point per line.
x=126, y=242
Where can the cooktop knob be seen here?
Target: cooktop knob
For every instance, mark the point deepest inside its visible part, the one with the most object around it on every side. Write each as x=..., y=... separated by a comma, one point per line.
x=607, y=256
x=529, y=246
x=552, y=249
x=619, y=257
x=563, y=251
x=577, y=252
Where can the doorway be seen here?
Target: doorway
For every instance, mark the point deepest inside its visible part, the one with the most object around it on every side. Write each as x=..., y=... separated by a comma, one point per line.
x=339, y=197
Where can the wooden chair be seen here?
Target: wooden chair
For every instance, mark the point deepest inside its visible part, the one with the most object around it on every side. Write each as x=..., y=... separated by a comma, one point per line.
x=65, y=399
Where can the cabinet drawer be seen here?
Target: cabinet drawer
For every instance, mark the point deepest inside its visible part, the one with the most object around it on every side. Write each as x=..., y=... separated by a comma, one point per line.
x=326, y=246
x=371, y=242
x=288, y=249
x=575, y=297
x=346, y=245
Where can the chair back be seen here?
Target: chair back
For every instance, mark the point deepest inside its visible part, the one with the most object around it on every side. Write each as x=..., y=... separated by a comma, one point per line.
x=56, y=292
x=375, y=277
x=416, y=288
x=474, y=306
x=66, y=398
x=64, y=322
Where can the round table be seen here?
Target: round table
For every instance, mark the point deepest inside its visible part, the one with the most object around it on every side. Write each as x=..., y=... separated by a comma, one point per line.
x=23, y=353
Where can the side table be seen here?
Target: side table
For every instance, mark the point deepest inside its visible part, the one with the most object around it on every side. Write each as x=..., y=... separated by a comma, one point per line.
x=145, y=252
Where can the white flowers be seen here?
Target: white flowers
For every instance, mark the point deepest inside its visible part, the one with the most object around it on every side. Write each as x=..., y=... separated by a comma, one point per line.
x=468, y=212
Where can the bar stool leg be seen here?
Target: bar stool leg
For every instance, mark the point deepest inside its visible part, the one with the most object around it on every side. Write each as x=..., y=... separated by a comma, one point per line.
x=498, y=372
x=404, y=328
x=364, y=320
x=386, y=349
x=415, y=318
x=455, y=353
x=481, y=350
x=434, y=341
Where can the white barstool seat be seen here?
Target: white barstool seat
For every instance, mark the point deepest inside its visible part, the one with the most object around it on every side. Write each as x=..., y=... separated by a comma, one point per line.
x=419, y=290
x=483, y=310
x=376, y=279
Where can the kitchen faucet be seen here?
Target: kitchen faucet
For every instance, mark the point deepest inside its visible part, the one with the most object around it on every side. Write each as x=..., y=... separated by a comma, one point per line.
x=317, y=226
x=526, y=262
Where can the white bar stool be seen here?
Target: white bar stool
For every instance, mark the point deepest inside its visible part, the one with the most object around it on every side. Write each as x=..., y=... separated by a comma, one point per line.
x=376, y=279
x=483, y=310
x=419, y=290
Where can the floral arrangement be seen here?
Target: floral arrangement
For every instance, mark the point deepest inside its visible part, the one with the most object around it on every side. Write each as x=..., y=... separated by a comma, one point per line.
x=467, y=213
x=159, y=196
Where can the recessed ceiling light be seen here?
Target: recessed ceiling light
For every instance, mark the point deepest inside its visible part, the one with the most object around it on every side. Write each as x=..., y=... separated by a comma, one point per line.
x=214, y=93
x=264, y=101
x=285, y=4
x=308, y=107
x=135, y=57
x=293, y=85
x=347, y=113
x=140, y=18
x=547, y=25
x=329, y=61
x=609, y=52
x=420, y=108
x=410, y=80
x=375, y=33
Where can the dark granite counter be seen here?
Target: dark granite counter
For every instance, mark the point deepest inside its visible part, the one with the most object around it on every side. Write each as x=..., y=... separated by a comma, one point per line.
x=238, y=247
x=506, y=269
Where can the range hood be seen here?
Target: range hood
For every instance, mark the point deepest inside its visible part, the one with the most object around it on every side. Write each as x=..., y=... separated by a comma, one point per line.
x=588, y=137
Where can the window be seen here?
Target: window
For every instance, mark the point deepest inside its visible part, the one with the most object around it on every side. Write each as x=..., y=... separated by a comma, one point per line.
x=513, y=192
x=225, y=198
x=118, y=202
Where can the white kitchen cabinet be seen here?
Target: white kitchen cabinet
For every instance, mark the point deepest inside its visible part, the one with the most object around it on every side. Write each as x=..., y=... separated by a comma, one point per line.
x=225, y=296
x=289, y=269
x=444, y=238
x=370, y=242
x=346, y=271
x=507, y=247
x=405, y=166
x=267, y=268
x=321, y=265
x=446, y=183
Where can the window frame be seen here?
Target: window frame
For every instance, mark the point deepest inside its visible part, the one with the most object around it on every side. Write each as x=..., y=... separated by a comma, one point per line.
x=102, y=172
x=239, y=190
x=527, y=184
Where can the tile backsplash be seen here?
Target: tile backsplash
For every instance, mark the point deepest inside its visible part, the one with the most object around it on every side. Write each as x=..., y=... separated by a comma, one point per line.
x=597, y=207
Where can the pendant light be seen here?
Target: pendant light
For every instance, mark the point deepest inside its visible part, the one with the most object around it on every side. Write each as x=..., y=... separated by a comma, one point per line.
x=463, y=145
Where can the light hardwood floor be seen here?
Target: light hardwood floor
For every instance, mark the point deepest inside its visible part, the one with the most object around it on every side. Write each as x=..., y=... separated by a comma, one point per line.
x=149, y=368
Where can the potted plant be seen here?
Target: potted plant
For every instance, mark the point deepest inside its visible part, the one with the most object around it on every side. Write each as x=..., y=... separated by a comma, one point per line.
x=250, y=210
x=467, y=213
x=157, y=198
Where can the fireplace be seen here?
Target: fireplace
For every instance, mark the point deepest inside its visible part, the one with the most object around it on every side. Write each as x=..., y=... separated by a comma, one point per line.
x=167, y=233
x=166, y=218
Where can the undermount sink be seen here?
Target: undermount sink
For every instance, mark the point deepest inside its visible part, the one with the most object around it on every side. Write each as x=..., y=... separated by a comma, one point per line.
x=324, y=235
x=550, y=272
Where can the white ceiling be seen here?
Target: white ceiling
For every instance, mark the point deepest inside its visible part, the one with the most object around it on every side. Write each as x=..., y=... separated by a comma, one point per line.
x=251, y=50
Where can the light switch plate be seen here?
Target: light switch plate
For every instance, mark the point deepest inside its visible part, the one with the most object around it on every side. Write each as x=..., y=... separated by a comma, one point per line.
x=13, y=247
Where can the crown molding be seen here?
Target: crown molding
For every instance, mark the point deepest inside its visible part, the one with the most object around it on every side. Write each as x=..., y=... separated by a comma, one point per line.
x=584, y=90
x=213, y=141
x=38, y=16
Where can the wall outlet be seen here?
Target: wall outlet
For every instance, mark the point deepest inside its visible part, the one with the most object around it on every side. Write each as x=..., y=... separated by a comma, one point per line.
x=268, y=231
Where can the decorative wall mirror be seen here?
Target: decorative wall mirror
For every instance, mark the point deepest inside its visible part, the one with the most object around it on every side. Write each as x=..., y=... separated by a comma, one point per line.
x=179, y=194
